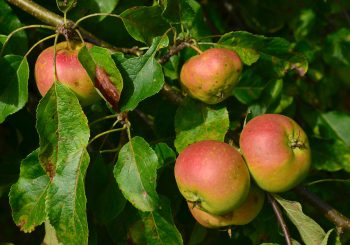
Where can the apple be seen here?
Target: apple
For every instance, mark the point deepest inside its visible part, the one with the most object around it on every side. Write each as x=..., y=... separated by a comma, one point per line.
x=69, y=71
x=213, y=176
x=242, y=215
x=211, y=75
x=277, y=152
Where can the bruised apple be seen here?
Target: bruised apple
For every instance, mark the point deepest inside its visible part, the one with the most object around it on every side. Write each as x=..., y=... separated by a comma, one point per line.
x=213, y=176
x=242, y=215
x=69, y=71
x=277, y=152
x=211, y=75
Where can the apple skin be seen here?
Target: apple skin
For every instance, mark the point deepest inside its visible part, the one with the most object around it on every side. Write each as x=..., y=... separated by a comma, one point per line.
x=242, y=215
x=211, y=76
x=277, y=152
x=213, y=175
x=69, y=71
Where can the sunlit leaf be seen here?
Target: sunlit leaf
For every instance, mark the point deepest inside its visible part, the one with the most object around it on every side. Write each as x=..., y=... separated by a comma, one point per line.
x=143, y=77
x=311, y=232
x=28, y=195
x=64, y=134
x=339, y=123
x=134, y=21
x=251, y=47
x=330, y=155
x=136, y=174
x=102, y=70
x=195, y=121
x=159, y=225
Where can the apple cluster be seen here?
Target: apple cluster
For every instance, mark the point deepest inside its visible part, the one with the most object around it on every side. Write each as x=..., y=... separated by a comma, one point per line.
x=224, y=186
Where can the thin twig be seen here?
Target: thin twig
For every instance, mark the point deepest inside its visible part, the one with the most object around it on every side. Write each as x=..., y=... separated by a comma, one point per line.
x=174, y=96
x=280, y=219
x=107, y=132
x=327, y=210
x=173, y=51
x=53, y=19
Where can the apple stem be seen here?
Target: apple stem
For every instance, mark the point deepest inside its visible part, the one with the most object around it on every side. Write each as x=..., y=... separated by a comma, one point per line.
x=280, y=219
x=107, y=132
x=80, y=36
x=196, y=48
x=54, y=57
x=21, y=29
x=37, y=43
x=333, y=215
x=94, y=15
x=102, y=119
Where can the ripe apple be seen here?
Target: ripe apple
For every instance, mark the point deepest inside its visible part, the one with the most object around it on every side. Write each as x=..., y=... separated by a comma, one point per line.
x=211, y=75
x=69, y=71
x=277, y=152
x=213, y=176
x=242, y=215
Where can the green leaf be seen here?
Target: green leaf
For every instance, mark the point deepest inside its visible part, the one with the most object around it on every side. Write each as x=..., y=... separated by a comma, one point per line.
x=330, y=155
x=339, y=123
x=251, y=47
x=195, y=121
x=134, y=21
x=159, y=225
x=165, y=154
x=14, y=85
x=143, y=77
x=270, y=98
x=63, y=137
x=2, y=40
x=250, y=86
x=86, y=60
x=62, y=128
x=310, y=231
x=9, y=22
x=27, y=196
x=336, y=49
x=102, y=58
x=181, y=11
x=97, y=56
x=263, y=16
x=66, y=200
x=136, y=174
x=305, y=23
x=50, y=235
x=65, y=5
x=325, y=240
x=283, y=104
x=104, y=197
x=106, y=6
